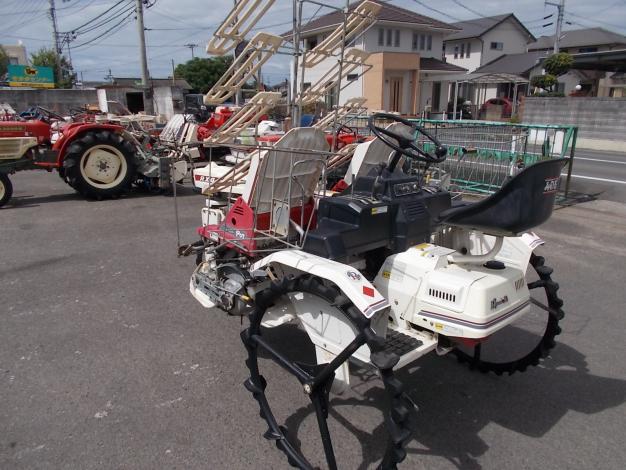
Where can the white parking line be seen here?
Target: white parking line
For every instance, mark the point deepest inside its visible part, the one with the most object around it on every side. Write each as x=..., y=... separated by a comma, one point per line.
x=599, y=160
x=595, y=179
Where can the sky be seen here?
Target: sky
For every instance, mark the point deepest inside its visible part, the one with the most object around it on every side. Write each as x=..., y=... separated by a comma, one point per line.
x=109, y=38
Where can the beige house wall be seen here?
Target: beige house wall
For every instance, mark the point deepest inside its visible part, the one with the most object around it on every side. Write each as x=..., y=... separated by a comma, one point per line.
x=375, y=86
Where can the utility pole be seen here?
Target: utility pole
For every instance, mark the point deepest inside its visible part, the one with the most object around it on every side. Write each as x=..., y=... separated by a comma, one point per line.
x=559, y=22
x=55, y=41
x=55, y=27
x=145, y=84
x=192, y=47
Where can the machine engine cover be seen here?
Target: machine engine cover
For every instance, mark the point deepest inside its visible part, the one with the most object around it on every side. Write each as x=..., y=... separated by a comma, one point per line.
x=469, y=301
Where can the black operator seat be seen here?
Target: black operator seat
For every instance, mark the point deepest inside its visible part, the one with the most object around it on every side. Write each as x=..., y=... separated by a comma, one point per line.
x=523, y=202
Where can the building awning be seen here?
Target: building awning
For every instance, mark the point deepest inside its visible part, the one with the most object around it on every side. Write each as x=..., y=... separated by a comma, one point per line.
x=432, y=65
x=480, y=78
x=607, y=61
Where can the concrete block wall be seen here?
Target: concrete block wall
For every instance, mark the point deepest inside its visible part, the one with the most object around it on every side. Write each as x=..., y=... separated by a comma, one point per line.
x=601, y=121
x=59, y=101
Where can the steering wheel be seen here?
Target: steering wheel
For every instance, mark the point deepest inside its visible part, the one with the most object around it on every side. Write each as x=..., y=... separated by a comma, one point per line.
x=343, y=129
x=405, y=143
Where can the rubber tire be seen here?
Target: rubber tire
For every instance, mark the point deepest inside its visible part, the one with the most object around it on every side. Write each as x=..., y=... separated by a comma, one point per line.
x=77, y=150
x=8, y=188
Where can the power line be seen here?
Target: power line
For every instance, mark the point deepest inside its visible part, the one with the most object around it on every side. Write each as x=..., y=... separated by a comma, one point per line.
x=459, y=3
x=428, y=7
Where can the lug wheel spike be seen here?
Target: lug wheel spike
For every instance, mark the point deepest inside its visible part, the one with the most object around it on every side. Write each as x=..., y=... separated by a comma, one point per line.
x=546, y=343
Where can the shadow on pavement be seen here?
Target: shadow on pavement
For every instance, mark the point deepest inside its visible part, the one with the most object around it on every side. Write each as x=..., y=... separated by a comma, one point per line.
x=18, y=202
x=456, y=404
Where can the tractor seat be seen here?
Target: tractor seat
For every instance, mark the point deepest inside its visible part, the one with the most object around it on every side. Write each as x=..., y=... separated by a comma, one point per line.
x=523, y=202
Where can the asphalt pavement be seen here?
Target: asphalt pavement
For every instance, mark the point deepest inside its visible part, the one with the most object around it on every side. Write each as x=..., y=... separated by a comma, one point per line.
x=600, y=173
x=107, y=362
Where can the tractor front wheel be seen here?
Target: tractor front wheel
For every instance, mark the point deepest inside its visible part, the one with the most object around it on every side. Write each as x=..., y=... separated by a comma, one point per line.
x=6, y=189
x=100, y=164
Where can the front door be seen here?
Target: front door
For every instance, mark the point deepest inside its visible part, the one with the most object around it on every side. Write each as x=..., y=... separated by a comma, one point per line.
x=436, y=98
x=395, y=94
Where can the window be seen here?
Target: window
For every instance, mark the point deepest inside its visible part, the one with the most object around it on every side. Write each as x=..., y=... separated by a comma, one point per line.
x=389, y=34
x=588, y=49
x=415, y=39
x=456, y=52
x=497, y=46
x=311, y=43
x=422, y=42
x=381, y=37
x=13, y=61
x=396, y=41
x=462, y=50
x=352, y=77
x=429, y=42
x=467, y=51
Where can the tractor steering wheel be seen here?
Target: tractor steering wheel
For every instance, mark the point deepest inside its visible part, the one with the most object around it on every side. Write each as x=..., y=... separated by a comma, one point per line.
x=406, y=143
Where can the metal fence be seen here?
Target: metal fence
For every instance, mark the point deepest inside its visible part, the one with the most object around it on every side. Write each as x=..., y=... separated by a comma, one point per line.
x=482, y=155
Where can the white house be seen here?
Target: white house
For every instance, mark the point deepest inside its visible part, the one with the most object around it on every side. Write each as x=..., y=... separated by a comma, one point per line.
x=599, y=62
x=483, y=40
x=403, y=45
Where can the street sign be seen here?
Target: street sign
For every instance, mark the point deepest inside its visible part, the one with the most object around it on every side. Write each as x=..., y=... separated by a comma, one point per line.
x=30, y=76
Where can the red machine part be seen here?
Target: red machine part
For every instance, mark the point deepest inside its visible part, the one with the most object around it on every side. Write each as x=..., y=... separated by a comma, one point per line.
x=70, y=132
x=343, y=139
x=239, y=225
x=218, y=118
x=35, y=128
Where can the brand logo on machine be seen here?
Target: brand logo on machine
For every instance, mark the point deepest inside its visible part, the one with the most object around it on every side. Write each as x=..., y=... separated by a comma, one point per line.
x=552, y=185
x=353, y=275
x=495, y=302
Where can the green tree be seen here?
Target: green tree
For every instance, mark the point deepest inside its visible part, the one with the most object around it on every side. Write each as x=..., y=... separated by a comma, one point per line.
x=63, y=73
x=203, y=73
x=4, y=62
x=558, y=64
x=545, y=82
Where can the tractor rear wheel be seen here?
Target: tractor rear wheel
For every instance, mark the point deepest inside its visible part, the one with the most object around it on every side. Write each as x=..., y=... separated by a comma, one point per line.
x=100, y=164
x=6, y=189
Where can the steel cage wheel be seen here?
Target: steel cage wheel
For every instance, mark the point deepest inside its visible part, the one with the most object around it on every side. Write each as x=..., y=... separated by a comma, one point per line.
x=547, y=341
x=317, y=380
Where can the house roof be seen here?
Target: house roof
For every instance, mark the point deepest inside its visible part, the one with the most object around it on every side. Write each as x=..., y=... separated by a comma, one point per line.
x=479, y=26
x=579, y=38
x=430, y=64
x=390, y=13
x=516, y=64
x=129, y=82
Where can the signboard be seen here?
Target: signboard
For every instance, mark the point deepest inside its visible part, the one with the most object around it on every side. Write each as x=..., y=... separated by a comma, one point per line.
x=30, y=76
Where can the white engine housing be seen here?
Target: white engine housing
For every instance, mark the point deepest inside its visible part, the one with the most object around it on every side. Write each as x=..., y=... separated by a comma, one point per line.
x=458, y=300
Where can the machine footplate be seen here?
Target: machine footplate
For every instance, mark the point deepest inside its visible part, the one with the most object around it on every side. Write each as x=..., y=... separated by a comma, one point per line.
x=400, y=344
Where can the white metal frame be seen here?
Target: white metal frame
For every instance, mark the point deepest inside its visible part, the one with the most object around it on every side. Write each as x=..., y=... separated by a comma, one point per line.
x=241, y=19
x=258, y=105
x=354, y=59
x=258, y=51
x=357, y=21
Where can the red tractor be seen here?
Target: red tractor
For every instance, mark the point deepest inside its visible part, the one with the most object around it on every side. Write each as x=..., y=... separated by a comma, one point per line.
x=97, y=159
